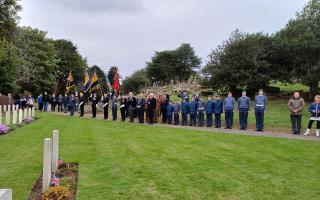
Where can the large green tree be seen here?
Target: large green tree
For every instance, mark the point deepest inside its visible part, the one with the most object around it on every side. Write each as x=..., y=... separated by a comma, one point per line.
x=8, y=18
x=111, y=73
x=135, y=82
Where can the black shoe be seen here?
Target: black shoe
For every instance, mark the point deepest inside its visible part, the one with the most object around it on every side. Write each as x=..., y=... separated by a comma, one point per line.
x=257, y=129
x=227, y=128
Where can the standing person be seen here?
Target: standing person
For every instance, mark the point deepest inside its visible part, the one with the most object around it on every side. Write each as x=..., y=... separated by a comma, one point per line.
x=40, y=103
x=72, y=104
x=30, y=101
x=140, y=109
x=105, y=101
x=77, y=102
x=132, y=103
x=170, y=109
x=23, y=102
x=208, y=107
x=260, y=103
x=193, y=112
x=296, y=105
x=53, y=102
x=114, y=108
x=184, y=112
x=176, y=112
x=59, y=102
x=218, y=110
x=65, y=102
x=228, y=107
x=243, y=109
x=45, y=100
x=314, y=110
x=81, y=104
x=151, y=106
x=163, y=108
x=94, y=104
x=158, y=106
x=123, y=103
x=200, y=112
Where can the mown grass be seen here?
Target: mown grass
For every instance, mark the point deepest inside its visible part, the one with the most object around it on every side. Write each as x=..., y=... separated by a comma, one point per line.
x=131, y=161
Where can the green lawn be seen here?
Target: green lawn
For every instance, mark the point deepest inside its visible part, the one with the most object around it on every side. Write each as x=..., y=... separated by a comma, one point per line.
x=131, y=161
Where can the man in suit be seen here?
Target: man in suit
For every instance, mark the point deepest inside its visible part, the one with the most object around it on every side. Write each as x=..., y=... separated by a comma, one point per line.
x=151, y=106
x=94, y=104
x=132, y=103
x=105, y=101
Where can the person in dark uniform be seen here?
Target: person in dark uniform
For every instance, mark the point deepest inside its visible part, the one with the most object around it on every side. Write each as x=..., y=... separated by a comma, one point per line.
x=193, y=107
x=123, y=104
x=72, y=104
x=218, y=110
x=208, y=107
x=114, y=108
x=132, y=103
x=163, y=108
x=170, y=109
x=140, y=109
x=65, y=102
x=81, y=104
x=23, y=102
x=105, y=101
x=53, y=102
x=260, y=102
x=94, y=104
x=59, y=102
x=184, y=111
x=176, y=112
x=200, y=112
x=45, y=101
x=151, y=106
x=243, y=109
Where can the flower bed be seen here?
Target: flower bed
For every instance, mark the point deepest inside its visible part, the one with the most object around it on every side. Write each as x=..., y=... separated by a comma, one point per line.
x=63, y=184
x=5, y=129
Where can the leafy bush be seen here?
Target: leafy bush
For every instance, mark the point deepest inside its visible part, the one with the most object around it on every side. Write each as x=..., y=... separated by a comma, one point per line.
x=60, y=192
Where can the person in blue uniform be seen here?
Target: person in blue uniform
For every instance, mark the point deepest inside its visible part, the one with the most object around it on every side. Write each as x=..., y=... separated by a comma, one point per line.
x=218, y=110
x=105, y=101
x=59, y=102
x=193, y=107
x=114, y=109
x=243, y=109
x=140, y=109
x=94, y=104
x=81, y=104
x=208, y=107
x=72, y=104
x=200, y=112
x=184, y=112
x=170, y=109
x=176, y=112
x=260, y=102
x=65, y=102
x=229, y=107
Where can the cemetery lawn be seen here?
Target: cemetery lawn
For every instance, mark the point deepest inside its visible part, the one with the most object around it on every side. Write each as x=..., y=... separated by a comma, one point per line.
x=131, y=161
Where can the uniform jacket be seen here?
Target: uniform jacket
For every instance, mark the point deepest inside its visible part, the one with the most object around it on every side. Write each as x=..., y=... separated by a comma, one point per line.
x=229, y=103
x=184, y=108
x=141, y=104
x=65, y=101
x=176, y=108
x=200, y=106
x=244, y=103
x=170, y=109
x=151, y=104
x=218, y=107
x=260, y=103
x=72, y=101
x=193, y=107
x=208, y=107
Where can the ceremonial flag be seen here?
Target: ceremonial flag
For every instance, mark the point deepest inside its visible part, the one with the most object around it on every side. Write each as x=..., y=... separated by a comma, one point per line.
x=94, y=81
x=87, y=82
x=70, y=83
x=116, y=83
x=108, y=82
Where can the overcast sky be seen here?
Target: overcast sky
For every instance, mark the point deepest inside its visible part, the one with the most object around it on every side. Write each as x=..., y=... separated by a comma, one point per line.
x=125, y=33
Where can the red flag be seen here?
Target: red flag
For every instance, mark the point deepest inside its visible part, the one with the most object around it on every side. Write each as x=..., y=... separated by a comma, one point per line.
x=116, y=83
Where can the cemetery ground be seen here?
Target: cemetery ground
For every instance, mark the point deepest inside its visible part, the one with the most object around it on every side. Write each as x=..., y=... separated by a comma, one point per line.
x=132, y=161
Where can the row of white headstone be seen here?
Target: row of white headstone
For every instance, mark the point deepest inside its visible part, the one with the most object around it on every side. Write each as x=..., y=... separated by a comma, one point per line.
x=50, y=159
x=17, y=114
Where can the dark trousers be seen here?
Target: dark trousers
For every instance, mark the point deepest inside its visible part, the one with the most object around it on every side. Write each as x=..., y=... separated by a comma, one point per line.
x=123, y=114
x=164, y=115
x=259, y=119
x=150, y=116
x=94, y=110
x=193, y=119
x=217, y=120
x=296, y=123
x=106, y=112
x=184, y=119
x=229, y=118
x=59, y=107
x=311, y=122
x=140, y=115
x=114, y=112
x=201, y=118
x=40, y=106
x=243, y=117
x=72, y=110
x=82, y=110
x=53, y=107
x=169, y=119
x=65, y=108
x=176, y=118
x=131, y=113
x=209, y=119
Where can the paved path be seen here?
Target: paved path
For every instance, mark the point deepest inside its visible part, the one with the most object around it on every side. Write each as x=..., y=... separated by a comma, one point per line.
x=215, y=130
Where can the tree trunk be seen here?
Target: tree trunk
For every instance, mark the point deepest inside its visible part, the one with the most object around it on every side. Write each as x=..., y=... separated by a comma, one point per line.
x=313, y=89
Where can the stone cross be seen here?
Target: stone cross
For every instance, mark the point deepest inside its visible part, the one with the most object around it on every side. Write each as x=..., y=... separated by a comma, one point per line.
x=55, y=150
x=46, y=164
x=20, y=116
x=14, y=119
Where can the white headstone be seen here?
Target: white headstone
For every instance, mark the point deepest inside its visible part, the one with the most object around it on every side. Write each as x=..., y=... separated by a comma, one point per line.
x=5, y=194
x=20, y=116
x=9, y=107
x=55, y=150
x=0, y=108
x=46, y=164
x=14, y=119
x=4, y=108
x=33, y=112
x=0, y=117
x=25, y=113
x=29, y=112
x=8, y=118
